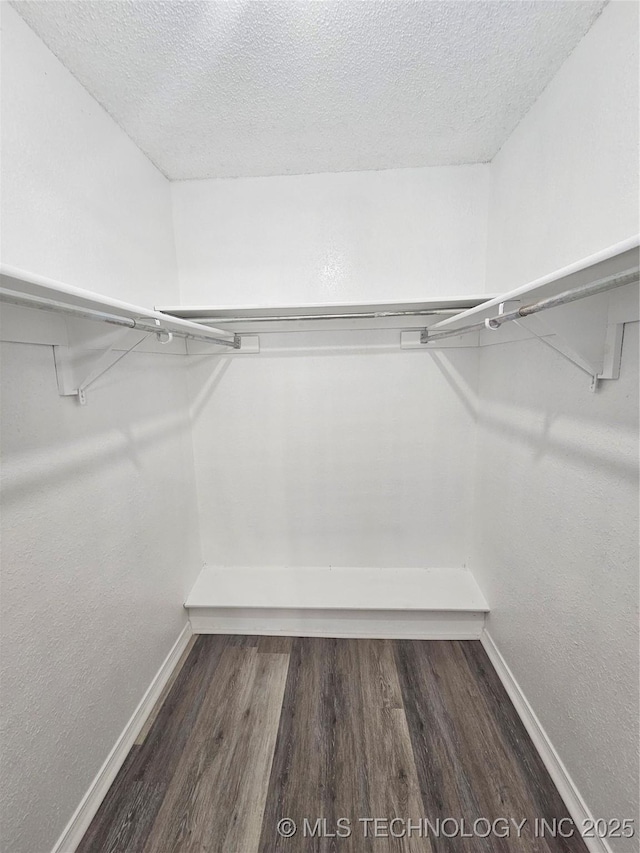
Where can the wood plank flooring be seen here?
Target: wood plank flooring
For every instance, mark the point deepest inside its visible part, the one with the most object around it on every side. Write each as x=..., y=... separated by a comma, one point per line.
x=331, y=734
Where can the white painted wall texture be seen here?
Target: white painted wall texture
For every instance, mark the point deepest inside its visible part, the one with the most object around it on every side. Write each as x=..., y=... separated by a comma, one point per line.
x=556, y=510
x=358, y=458
x=99, y=548
x=99, y=523
x=398, y=235
x=331, y=457
x=80, y=203
x=322, y=451
x=556, y=554
x=565, y=183
x=324, y=458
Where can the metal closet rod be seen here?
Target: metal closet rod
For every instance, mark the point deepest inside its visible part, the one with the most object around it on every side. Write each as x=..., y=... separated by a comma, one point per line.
x=564, y=298
x=368, y=315
x=141, y=324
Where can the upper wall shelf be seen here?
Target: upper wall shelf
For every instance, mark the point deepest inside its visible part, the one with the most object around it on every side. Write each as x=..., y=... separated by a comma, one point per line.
x=427, y=322
x=579, y=311
x=615, y=261
x=28, y=290
x=329, y=317
x=73, y=372
x=585, y=307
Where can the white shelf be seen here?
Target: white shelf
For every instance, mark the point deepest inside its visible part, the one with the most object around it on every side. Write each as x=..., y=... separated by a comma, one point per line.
x=614, y=260
x=320, y=317
x=334, y=588
x=30, y=285
x=428, y=604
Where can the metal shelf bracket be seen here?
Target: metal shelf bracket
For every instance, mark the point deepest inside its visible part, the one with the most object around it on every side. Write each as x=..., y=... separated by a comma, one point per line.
x=70, y=363
x=598, y=353
x=586, y=325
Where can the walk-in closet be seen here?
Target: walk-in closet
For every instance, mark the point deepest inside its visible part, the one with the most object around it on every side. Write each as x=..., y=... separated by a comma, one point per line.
x=319, y=408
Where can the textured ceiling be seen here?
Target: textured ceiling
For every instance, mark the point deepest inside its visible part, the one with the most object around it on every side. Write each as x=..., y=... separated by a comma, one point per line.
x=221, y=89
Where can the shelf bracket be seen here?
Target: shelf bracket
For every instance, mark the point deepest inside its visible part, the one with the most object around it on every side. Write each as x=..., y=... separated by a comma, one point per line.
x=561, y=337
x=564, y=351
x=554, y=341
x=68, y=363
x=587, y=332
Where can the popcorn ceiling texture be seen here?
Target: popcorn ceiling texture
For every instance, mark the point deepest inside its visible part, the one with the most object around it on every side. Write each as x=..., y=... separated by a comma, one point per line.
x=208, y=89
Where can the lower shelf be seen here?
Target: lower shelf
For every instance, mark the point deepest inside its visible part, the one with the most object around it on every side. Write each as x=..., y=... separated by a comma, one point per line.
x=406, y=603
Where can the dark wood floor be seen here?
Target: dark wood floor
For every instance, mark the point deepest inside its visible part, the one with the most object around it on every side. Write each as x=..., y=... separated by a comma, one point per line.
x=257, y=729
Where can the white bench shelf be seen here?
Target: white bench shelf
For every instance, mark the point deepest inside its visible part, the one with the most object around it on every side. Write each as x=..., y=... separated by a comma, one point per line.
x=338, y=602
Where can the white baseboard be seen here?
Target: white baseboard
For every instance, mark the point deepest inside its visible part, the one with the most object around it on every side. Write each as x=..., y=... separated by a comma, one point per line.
x=74, y=831
x=365, y=624
x=576, y=806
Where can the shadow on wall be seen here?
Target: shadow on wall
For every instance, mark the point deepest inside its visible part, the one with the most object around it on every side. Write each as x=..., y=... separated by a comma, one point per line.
x=573, y=447
x=460, y=387
x=97, y=437
x=39, y=470
x=211, y=383
x=533, y=428
x=34, y=470
x=213, y=379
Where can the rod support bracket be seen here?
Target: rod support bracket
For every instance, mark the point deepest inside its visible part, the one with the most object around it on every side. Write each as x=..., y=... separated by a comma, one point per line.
x=71, y=365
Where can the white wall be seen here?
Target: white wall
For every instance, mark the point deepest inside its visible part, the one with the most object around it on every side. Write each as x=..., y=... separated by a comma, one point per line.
x=99, y=548
x=99, y=530
x=332, y=457
x=339, y=458
x=556, y=554
x=565, y=184
x=80, y=202
x=556, y=510
x=349, y=237
x=312, y=457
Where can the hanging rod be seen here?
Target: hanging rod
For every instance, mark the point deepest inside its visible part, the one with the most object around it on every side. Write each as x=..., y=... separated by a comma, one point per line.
x=356, y=315
x=143, y=324
x=564, y=298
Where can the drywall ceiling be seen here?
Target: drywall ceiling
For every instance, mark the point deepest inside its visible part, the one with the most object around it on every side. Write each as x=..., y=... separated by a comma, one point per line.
x=222, y=89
